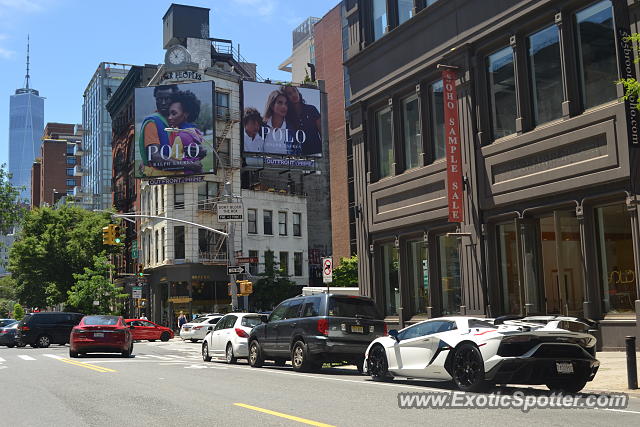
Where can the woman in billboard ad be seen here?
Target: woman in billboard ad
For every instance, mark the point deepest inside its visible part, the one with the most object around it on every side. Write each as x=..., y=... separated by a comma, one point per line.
x=305, y=120
x=187, y=143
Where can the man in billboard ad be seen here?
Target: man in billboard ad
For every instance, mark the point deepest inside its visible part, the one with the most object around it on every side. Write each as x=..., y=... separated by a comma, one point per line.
x=174, y=130
x=281, y=119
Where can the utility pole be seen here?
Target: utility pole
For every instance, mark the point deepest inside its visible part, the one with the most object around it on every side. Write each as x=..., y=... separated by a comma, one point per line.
x=231, y=254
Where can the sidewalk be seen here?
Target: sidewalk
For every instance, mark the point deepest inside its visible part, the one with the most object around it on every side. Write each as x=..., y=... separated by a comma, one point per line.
x=612, y=375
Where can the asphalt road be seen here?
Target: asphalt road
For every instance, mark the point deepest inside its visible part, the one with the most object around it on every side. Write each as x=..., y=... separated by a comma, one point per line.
x=167, y=384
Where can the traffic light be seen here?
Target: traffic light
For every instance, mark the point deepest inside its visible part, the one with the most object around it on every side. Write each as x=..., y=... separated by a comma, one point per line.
x=140, y=270
x=246, y=287
x=106, y=236
x=116, y=234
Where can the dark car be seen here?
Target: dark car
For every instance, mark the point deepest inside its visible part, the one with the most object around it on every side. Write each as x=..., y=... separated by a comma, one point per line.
x=8, y=334
x=46, y=328
x=310, y=330
x=6, y=322
x=101, y=334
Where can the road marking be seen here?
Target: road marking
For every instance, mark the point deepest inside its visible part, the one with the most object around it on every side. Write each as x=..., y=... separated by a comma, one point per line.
x=626, y=411
x=281, y=415
x=24, y=357
x=53, y=356
x=159, y=357
x=3, y=367
x=86, y=365
x=2, y=360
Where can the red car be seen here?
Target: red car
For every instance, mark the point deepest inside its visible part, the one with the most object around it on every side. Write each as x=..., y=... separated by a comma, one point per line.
x=101, y=334
x=146, y=330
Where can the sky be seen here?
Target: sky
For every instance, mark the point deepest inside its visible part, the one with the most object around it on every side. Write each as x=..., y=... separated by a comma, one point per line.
x=69, y=38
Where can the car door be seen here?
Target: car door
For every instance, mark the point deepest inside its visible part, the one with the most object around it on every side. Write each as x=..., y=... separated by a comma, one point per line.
x=149, y=330
x=227, y=331
x=288, y=325
x=214, y=337
x=271, y=328
x=417, y=346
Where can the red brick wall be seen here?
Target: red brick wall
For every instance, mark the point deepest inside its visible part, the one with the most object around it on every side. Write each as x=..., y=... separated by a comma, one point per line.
x=328, y=50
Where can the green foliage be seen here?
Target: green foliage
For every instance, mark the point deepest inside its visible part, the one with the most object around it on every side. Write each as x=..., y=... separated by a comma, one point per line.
x=18, y=312
x=10, y=207
x=93, y=285
x=52, y=245
x=7, y=295
x=346, y=274
x=273, y=287
x=632, y=86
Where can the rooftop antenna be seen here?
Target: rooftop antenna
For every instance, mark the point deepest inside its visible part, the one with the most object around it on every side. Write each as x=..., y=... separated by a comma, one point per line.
x=26, y=78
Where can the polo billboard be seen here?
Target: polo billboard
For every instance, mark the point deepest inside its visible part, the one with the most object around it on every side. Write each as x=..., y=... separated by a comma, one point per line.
x=281, y=120
x=175, y=130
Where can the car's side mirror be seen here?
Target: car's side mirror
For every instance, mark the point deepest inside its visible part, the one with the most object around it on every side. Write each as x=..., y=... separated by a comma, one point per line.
x=393, y=333
x=210, y=328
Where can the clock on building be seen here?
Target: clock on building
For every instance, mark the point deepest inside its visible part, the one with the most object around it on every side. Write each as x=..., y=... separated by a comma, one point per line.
x=177, y=55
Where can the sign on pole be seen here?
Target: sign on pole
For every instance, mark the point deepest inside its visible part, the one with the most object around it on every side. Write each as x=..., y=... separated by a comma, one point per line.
x=136, y=292
x=247, y=260
x=236, y=269
x=230, y=212
x=327, y=270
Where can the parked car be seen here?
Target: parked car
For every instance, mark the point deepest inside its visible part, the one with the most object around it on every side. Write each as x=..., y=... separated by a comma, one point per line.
x=8, y=334
x=46, y=328
x=101, y=334
x=229, y=338
x=474, y=353
x=146, y=330
x=310, y=330
x=6, y=322
x=198, y=328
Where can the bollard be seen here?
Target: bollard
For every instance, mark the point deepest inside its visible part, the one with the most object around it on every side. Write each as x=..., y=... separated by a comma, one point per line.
x=632, y=368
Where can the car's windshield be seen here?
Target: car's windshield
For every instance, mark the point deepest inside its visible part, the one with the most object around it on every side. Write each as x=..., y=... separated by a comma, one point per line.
x=251, y=321
x=101, y=320
x=352, y=307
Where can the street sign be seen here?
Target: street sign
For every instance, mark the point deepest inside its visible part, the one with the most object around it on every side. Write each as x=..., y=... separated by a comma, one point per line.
x=236, y=269
x=136, y=292
x=247, y=260
x=230, y=212
x=327, y=270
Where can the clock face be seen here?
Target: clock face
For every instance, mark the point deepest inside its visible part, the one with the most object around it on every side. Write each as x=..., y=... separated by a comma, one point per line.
x=177, y=56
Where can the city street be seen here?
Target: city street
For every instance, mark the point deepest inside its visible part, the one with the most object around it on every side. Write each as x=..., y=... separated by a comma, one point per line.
x=168, y=384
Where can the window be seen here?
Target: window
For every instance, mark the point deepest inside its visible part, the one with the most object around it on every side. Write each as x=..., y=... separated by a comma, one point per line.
x=250, y=321
x=284, y=262
x=596, y=54
x=267, y=217
x=427, y=328
x=437, y=120
x=297, y=264
x=405, y=10
x=389, y=258
x=222, y=104
x=178, y=196
x=282, y=223
x=379, y=18
x=311, y=307
x=252, y=221
x=297, y=217
x=253, y=266
x=161, y=194
x=155, y=201
x=293, y=310
x=70, y=149
x=502, y=92
x=449, y=274
x=178, y=242
x=546, y=74
x=418, y=275
x=411, y=131
x=162, y=244
x=71, y=160
x=69, y=171
x=206, y=243
x=385, y=142
x=157, y=246
x=279, y=311
x=508, y=268
x=207, y=192
x=347, y=306
x=71, y=182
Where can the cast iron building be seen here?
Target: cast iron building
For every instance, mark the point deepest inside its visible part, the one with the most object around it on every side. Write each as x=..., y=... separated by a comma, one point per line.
x=550, y=207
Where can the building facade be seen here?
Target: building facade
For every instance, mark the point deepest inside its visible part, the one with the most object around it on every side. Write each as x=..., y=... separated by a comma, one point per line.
x=302, y=52
x=96, y=142
x=550, y=201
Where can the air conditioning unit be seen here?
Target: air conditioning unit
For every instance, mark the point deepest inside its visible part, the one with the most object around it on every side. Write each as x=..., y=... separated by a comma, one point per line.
x=78, y=171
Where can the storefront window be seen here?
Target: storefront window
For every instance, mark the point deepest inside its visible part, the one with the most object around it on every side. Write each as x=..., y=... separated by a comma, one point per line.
x=546, y=74
x=508, y=268
x=437, y=120
x=502, y=92
x=449, y=274
x=418, y=276
x=596, y=54
x=411, y=129
x=390, y=282
x=385, y=142
x=405, y=10
x=379, y=18
x=615, y=256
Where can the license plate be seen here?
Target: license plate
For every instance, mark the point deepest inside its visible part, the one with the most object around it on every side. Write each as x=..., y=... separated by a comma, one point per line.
x=98, y=335
x=186, y=329
x=564, y=367
x=357, y=329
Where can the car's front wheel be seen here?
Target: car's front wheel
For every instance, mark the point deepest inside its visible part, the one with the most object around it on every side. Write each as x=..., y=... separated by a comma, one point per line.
x=468, y=368
x=164, y=337
x=378, y=365
x=205, y=352
x=572, y=384
x=255, y=355
x=43, y=341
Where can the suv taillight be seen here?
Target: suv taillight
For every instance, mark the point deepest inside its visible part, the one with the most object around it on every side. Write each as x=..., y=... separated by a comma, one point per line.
x=323, y=326
x=24, y=328
x=385, y=331
x=241, y=333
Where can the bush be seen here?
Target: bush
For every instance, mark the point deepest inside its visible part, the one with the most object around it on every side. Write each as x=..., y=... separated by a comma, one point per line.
x=18, y=312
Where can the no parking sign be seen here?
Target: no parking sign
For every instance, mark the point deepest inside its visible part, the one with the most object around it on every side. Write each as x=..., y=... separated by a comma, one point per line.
x=327, y=270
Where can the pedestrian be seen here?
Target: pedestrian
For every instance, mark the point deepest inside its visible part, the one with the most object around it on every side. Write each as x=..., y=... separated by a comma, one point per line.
x=182, y=319
x=143, y=317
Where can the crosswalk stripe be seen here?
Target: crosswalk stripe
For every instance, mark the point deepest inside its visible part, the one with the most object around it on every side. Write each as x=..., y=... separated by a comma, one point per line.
x=2, y=360
x=25, y=357
x=159, y=357
x=53, y=356
x=138, y=356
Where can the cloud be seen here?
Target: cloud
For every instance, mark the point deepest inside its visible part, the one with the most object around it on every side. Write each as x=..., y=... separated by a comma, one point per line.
x=7, y=7
x=6, y=53
x=10, y=11
x=264, y=8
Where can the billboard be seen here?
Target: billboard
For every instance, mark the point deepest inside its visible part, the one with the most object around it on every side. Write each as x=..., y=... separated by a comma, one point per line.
x=281, y=120
x=175, y=130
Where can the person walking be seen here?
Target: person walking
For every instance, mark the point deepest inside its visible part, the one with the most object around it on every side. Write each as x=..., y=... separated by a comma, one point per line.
x=182, y=319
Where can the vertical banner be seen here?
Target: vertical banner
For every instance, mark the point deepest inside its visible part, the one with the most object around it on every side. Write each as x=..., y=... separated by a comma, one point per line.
x=455, y=190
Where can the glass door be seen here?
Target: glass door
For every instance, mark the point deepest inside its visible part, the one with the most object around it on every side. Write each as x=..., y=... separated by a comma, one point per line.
x=531, y=266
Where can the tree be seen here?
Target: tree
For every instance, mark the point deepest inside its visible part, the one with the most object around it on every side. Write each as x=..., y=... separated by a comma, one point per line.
x=52, y=245
x=93, y=285
x=18, y=312
x=346, y=274
x=273, y=287
x=7, y=295
x=10, y=207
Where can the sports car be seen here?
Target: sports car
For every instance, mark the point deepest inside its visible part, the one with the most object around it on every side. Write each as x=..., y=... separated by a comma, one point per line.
x=475, y=353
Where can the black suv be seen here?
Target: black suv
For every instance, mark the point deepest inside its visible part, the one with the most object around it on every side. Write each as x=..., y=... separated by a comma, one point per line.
x=310, y=330
x=43, y=329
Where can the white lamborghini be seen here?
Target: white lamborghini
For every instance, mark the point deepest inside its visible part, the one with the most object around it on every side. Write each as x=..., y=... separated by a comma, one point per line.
x=474, y=352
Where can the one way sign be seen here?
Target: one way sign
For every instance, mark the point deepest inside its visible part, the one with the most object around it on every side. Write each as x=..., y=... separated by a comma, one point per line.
x=236, y=269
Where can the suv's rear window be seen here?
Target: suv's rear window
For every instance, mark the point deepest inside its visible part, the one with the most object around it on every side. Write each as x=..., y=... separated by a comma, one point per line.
x=101, y=320
x=352, y=307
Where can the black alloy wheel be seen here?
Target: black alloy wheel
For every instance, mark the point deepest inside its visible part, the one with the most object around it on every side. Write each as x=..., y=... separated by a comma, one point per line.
x=468, y=368
x=255, y=355
x=43, y=341
x=378, y=365
x=205, y=352
x=164, y=337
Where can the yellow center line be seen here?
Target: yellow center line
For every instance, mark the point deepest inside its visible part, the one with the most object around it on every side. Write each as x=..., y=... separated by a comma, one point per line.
x=86, y=365
x=281, y=415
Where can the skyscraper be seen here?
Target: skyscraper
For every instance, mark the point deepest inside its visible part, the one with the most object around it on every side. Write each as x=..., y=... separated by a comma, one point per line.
x=26, y=124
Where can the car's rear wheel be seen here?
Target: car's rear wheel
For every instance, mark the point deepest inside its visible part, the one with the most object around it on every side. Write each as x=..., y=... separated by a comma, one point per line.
x=568, y=385
x=43, y=341
x=468, y=368
x=255, y=355
x=205, y=352
x=300, y=358
x=164, y=336
x=231, y=359
x=378, y=365
x=73, y=354
x=129, y=351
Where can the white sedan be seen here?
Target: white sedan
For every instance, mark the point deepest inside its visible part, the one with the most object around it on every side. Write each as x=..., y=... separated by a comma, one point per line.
x=198, y=328
x=229, y=337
